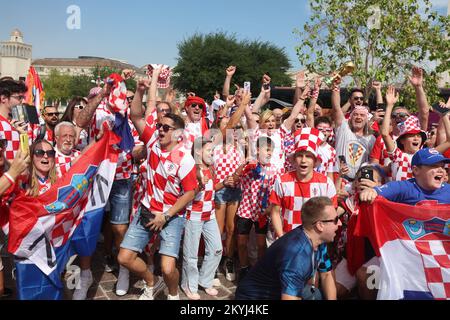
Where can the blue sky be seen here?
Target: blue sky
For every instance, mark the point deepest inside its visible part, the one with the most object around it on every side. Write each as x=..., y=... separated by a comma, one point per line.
x=142, y=32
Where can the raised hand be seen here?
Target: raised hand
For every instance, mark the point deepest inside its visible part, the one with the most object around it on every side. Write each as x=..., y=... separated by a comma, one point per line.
x=391, y=96
x=143, y=85
x=300, y=80
x=376, y=85
x=231, y=70
x=128, y=74
x=246, y=98
x=230, y=101
x=305, y=93
x=416, y=79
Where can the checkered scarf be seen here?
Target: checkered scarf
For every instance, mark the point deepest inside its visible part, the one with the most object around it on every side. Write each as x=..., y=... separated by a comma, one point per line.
x=118, y=97
x=164, y=76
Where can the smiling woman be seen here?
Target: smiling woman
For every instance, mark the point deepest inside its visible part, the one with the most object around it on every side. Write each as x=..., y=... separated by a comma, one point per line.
x=42, y=168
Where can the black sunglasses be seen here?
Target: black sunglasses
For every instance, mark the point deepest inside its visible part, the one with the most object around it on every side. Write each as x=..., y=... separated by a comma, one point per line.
x=165, y=127
x=53, y=114
x=400, y=115
x=335, y=220
x=300, y=120
x=41, y=153
x=359, y=98
x=3, y=143
x=195, y=105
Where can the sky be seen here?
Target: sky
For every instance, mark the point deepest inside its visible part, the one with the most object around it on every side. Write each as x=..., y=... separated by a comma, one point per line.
x=143, y=32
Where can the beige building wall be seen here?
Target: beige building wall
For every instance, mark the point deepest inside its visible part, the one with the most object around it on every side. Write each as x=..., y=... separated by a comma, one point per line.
x=15, y=56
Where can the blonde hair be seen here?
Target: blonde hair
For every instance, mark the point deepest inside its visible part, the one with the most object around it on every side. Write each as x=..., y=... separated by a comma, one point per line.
x=264, y=116
x=33, y=180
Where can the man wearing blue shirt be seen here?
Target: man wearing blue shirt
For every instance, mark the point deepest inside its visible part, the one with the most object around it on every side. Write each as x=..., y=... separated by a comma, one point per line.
x=292, y=261
x=427, y=185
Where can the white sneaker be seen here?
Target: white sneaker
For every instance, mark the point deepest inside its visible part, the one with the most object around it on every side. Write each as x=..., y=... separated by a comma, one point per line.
x=123, y=282
x=169, y=297
x=85, y=283
x=149, y=293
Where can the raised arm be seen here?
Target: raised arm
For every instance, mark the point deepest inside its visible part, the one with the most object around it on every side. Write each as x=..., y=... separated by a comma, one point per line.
x=312, y=103
x=152, y=92
x=136, y=111
x=264, y=96
x=231, y=70
x=337, y=113
x=300, y=85
x=376, y=85
x=416, y=80
x=236, y=117
x=444, y=146
x=299, y=106
x=87, y=113
x=391, y=99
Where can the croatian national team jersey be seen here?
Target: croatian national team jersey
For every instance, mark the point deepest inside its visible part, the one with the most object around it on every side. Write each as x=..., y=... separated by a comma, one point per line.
x=169, y=174
x=12, y=136
x=64, y=162
x=44, y=185
x=226, y=162
x=290, y=194
x=277, y=136
x=409, y=192
x=401, y=165
x=125, y=160
x=256, y=188
x=286, y=267
x=328, y=156
x=34, y=131
x=202, y=207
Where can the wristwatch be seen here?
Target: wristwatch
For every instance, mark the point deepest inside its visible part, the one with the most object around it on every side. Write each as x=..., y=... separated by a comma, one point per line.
x=166, y=216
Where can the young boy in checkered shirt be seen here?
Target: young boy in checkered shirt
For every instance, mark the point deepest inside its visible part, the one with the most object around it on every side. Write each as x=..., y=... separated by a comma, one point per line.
x=201, y=221
x=294, y=188
x=256, y=180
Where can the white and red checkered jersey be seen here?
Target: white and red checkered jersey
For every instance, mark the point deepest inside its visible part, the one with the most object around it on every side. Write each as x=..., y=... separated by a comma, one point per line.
x=290, y=194
x=169, y=174
x=256, y=185
x=401, y=165
x=64, y=162
x=202, y=207
x=288, y=147
x=328, y=156
x=277, y=136
x=34, y=130
x=8, y=132
x=44, y=185
x=83, y=140
x=125, y=160
x=227, y=161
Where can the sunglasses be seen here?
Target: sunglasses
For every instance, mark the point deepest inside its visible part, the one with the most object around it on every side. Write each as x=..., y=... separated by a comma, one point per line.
x=324, y=129
x=400, y=115
x=195, y=105
x=359, y=98
x=53, y=114
x=335, y=220
x=3, y=143
x=18, y=97
x=40, y=153
x=303, y=120
x=79, y=107
x=163, y=110
x=165, y=127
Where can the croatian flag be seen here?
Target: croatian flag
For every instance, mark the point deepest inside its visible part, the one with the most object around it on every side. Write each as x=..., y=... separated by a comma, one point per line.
x=414, y=245
x=45, y=231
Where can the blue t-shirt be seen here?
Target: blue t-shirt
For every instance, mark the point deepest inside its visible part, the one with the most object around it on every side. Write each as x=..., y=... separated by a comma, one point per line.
x=409, y=192
x=284, y=269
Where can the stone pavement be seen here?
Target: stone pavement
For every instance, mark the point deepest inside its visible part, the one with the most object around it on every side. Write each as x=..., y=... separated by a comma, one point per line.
x=103, y=287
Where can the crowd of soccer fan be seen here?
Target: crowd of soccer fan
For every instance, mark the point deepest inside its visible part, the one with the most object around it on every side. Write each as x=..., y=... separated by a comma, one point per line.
x=267, y=197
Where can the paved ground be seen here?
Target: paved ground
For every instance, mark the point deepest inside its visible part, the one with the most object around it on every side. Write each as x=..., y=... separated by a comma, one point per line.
x=104, y=284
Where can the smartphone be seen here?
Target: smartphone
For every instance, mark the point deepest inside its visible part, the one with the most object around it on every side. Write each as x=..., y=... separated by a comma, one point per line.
x=366, y=173
x=442, y=110
x=247, y=86
x=266, y=86
x=342, y=159
x=24, y=144
x=25, y=113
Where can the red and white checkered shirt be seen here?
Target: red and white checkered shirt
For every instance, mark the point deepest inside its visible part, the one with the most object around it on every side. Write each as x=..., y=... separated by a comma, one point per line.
x=169, y=174
x=125, y=160
x=202, y=207
x=226, y=163
x=328, y=155
x=34, y=130
x=278, y=138
x=256, y=189
x=8, y=132
x=290, y=194
x=44, y=185
x=64, y=162
x=288, y=139
x=401, y=165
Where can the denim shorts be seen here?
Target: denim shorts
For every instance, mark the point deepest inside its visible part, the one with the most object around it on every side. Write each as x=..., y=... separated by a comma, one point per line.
x=137, y=236
x=120, y=202
x=227, y=195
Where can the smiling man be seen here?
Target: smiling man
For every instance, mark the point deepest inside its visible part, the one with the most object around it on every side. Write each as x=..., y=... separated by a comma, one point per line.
x=65, y=143
x=428, y=184
x=287, y=271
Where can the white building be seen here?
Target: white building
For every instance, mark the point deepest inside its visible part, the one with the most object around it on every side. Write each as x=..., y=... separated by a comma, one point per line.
x=15, y=56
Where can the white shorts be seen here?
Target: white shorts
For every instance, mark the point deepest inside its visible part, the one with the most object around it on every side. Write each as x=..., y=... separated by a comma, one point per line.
x=344, y=277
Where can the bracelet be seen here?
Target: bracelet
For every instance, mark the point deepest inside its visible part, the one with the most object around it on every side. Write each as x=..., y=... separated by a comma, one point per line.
x=8, y=176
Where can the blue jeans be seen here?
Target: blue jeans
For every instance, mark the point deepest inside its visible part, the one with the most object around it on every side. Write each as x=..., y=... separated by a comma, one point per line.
x=191, y=277
x=120, y=202
x=137, y=236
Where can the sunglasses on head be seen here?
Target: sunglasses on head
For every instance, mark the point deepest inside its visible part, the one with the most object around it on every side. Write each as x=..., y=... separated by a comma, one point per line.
x=40, y=153
x=3, y=143
x=335, y=220
x=79, y=107
x=164, y=127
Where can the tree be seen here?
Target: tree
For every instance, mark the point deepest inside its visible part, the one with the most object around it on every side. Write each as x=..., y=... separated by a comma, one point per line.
x=57, y=87
x=384, y=38
x=203, y=59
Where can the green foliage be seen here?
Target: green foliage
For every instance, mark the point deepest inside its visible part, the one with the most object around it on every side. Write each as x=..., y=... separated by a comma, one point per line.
x=203, y=59
x=384, y=38
x=56, y=86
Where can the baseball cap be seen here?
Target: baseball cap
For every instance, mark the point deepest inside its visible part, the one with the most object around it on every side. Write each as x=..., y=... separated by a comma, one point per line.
x=428, y=157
